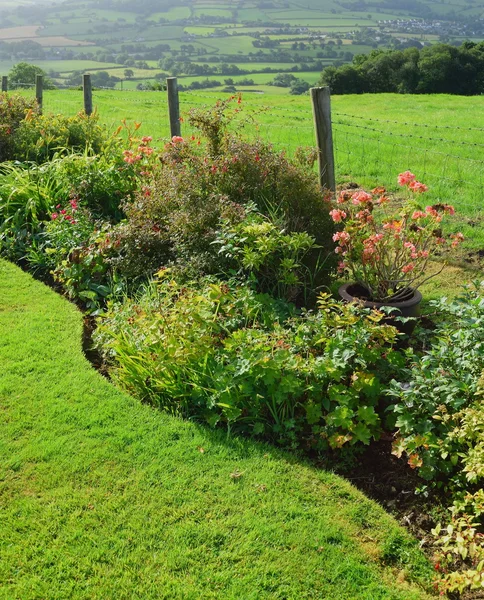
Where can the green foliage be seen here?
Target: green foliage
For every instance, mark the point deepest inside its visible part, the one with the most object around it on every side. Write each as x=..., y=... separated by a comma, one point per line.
x=436, y=69
x=459, y=556
x=13, y=109
x=179, y=207
x=74, y=249
x=437, y=409
x=100, y=182
x=258, y=250
x=221, y=353
x=28, y=194
x=40, y=137
x=24, y=74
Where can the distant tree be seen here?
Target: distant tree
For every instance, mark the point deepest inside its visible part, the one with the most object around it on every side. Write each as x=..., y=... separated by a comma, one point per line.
x=440, y=68
x=299, y=87
x=283, y=80
x=25, y=73
x=128, y=73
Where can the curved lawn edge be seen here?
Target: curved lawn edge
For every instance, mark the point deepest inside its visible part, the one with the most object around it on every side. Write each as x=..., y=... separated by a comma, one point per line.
x=102, y=497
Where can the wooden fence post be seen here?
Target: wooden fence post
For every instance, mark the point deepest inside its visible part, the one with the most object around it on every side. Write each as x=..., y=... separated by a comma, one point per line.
x=39, y=91
x=86, y=85
x=173, y=106
x=4, y=83
x=324, y=136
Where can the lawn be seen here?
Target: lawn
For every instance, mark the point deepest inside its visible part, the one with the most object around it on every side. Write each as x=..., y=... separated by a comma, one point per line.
x=103, y=497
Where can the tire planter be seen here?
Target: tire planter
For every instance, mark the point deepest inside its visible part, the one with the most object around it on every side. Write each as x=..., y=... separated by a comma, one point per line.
x=409, y=306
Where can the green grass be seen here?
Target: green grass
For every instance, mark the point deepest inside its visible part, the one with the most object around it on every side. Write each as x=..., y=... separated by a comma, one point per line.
x=103, y=497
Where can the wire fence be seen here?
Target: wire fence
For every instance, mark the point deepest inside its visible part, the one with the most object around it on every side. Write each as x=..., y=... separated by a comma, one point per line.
x=369, y=150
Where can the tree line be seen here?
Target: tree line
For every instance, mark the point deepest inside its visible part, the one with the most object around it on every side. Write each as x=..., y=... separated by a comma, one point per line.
x=437, y=69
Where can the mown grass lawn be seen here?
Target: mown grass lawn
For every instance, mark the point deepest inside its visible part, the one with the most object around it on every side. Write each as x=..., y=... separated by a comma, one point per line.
x=102, y=497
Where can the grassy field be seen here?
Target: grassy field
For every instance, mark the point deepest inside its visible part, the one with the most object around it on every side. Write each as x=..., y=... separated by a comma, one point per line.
x=103, y=497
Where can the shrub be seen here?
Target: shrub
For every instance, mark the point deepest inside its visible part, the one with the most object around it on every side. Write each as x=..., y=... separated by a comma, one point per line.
x=39, y=137
x=222, y=353
x=258, y=250
x=74, y=248
x=100, y=183
x=13, y=109
x=178, y=210
x=440, y=420
x=435, y=406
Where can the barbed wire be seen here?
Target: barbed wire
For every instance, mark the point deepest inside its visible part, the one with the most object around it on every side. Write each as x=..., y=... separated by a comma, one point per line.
x=410, y=135
x=428, y=150
x=458, y=128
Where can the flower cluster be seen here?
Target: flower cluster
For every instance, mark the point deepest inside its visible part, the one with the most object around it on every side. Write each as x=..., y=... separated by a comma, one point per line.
x=143, y=149
x=64, y=214
x=386, y=243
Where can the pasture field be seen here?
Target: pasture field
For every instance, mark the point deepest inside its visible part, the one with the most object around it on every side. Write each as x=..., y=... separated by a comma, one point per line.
x=376, y=136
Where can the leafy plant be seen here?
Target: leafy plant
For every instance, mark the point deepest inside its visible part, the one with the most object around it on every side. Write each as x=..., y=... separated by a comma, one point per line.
x=39, y=137
x=258, y=250
x=178, y=208
x=28, y=194
x=221, y=353
x=436, y=403
x=13, y=110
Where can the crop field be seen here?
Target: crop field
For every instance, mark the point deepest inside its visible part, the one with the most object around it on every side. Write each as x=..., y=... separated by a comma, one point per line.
x=224, y=31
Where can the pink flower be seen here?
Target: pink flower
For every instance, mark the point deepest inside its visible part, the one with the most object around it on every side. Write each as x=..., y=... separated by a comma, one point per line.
x=146, y=139
x=418, y=214
x=361, y=198
x=408, y=268
x=63, y=212
x=430, y=210
x=343, y=237
x=337, y=215
x=449, y=209
x=409, y=245
x=54, y=216
x=405, y=178
x=417, y=187
x=177, y=139
x=341, y=266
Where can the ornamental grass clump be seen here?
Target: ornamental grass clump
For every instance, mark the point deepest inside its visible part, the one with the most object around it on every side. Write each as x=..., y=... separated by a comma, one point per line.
x=386, y=243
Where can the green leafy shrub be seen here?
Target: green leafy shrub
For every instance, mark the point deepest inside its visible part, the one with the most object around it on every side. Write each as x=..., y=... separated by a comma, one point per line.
x=177, y=211
x=440, y=420
x=222, y=353
x=13, y=110
x=435, y=407
x=459, y=556
x=100, y=183
x=258, y=250
x=73, y=250
x=39, y=137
